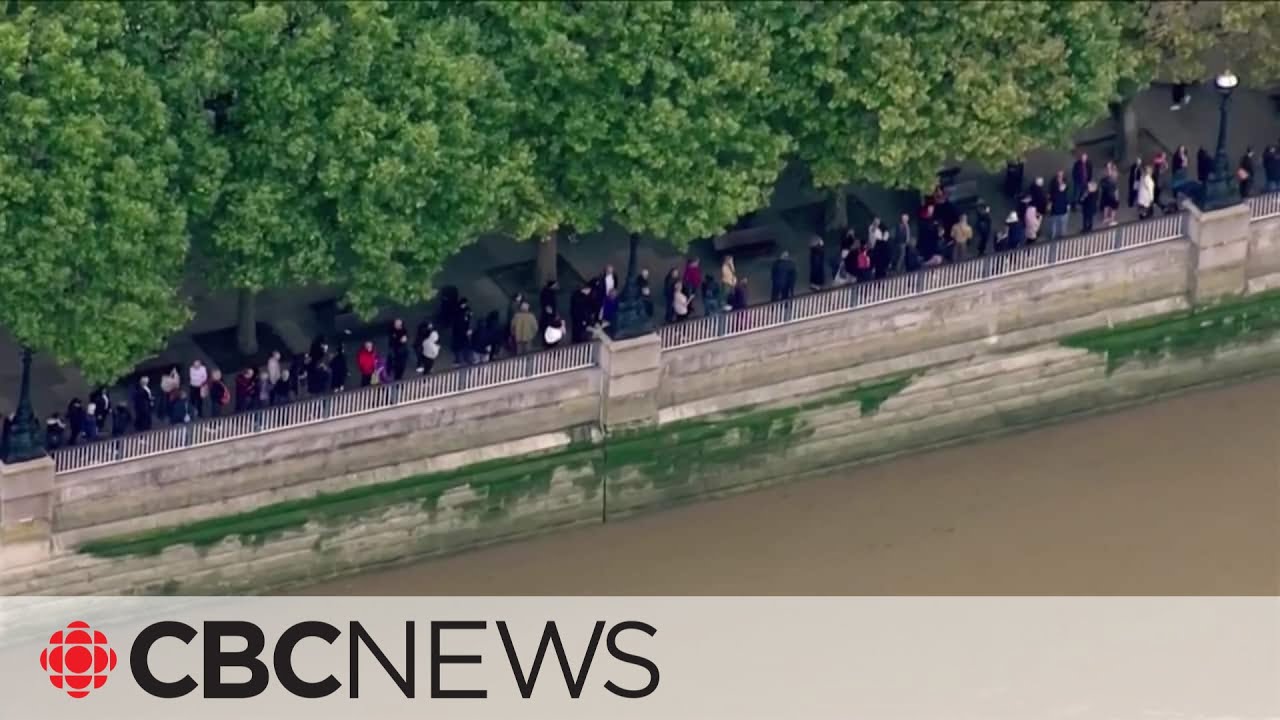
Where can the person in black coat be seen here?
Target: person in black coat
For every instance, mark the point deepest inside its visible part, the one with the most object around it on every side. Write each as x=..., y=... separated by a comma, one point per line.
x=461, y=324
x=1245, y=172
x=549, y=302
x=101, y=405
x=121, y=418
x=338, y=369
x=982, y=228
x=1204, y=166
x=581, y=312
x=144, y=404
x=75, y=421
x=817, y=264
x=1089, y=207
x=1039, y=197
x=398, y=349
x=783, y=277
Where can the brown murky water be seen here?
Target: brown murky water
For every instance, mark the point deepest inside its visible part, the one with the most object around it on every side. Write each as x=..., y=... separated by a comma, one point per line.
x=1180, y=497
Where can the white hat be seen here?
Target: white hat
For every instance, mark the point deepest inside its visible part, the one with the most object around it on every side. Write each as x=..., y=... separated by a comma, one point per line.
x=1013, y=217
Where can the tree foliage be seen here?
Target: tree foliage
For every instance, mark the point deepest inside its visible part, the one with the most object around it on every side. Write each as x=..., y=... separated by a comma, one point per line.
x=1189, y=40
x=651, y=113
x=347, y=146
x=890, y=92
x=92, y=234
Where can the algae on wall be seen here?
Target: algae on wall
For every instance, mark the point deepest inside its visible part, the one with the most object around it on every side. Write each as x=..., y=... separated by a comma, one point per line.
x=1200, y=330
x=667, y=454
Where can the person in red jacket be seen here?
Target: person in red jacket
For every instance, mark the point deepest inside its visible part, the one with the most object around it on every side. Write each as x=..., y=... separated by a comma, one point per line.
x=366, y=363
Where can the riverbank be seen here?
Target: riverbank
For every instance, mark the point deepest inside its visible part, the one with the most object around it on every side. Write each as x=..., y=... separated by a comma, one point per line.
x=1177, y=497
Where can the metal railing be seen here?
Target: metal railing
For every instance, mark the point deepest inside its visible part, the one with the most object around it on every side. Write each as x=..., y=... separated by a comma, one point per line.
x=851, y=297
x=326, y=407
x=1264, y=206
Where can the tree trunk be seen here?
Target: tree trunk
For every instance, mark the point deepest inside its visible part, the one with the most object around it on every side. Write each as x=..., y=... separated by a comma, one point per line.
x=1126, y=124
x=246, y=322
x=836, y=212
x=547, y=258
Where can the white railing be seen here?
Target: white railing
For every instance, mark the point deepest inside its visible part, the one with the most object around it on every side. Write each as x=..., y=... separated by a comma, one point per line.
x=852, y=297
x=1264, y=206
x=326, y=407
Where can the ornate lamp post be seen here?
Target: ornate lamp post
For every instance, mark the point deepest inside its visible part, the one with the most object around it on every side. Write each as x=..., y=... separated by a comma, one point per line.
x=633, y=316
x=1222, y=189
x=24, y=435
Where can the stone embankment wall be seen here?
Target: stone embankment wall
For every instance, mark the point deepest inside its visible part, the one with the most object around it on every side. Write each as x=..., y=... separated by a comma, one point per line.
x=649, y=428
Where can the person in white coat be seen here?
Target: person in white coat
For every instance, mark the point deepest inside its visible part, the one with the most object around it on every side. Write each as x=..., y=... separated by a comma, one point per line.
x=1146, y=194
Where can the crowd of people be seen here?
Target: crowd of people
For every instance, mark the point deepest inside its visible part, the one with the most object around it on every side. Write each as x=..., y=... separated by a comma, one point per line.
x=940, y=232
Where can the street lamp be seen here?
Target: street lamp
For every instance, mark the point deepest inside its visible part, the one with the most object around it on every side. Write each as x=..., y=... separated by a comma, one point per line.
x=633, y=314
x=24, y=434
x=1222, y=188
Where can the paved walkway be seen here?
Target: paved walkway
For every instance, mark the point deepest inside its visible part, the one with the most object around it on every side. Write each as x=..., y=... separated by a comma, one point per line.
x=488, y=270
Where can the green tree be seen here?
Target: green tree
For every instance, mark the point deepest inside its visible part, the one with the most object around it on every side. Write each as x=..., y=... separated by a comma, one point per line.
x=334, y=142
x=1183, y=38
x=92, y=236
x=652, y=114
x=890, y=92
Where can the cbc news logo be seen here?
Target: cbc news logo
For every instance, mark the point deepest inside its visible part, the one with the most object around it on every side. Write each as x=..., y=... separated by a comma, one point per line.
x=78, y=659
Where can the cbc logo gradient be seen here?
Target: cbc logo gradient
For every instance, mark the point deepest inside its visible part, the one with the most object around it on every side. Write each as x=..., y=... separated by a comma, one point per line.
x=78, y=659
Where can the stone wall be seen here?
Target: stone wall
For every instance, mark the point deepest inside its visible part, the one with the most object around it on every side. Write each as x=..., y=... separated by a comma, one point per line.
x=650, y=428
x=223, y=478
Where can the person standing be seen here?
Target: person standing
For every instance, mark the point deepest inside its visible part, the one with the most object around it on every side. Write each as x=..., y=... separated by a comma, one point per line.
x=692, y=280
x=1204, y=166
x=1271, y=168
x=1059, y=206
x=144, y=404
x=1039, y=197
x=121, y=418
x=397, y=349
x=1089, y=207
x=783, y=276
x=75, y=421
x=1146, y=194
x=548, y=302
x=961, y=234
x=1110, y=193
x=1081, y=176
x=338, y=369
x=581, y=313
x=1245, y=172
x=367, y=360
x=197, y=377
x=901, y=238
x=982, y=228
x=1159, y=164
x=728, y=272
x=219, y=396
x=1015, y=232
x=524, y=328
x=679, y=302
x=1179, y=166
x=1031, y=223
x=1135, y=181
x=817, y=263
x=738, y=298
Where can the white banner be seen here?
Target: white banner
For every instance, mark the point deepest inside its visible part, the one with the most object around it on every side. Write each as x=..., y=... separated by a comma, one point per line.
x=669, y=658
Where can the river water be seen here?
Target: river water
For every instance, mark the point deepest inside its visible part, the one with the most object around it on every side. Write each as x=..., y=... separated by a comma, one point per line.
x=1179, y=497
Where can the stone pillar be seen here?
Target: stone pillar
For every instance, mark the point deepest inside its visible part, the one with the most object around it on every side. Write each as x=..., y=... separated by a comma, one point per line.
x=1219, y=252
x=632, y=373
x=26, y=511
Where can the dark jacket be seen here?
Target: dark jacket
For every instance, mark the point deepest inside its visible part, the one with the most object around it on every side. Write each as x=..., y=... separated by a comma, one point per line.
x=1081, y=174
x=1204, y=166
x=1060, y=203
x=783, y=276
x=817, y=265
x=1040, y=199
x=338, y=370
x=982, y=230
x=1017, y=235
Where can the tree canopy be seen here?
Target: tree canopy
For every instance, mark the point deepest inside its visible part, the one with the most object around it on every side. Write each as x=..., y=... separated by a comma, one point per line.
x=92, y=232
x=1188, y=41
x=890, y=92
x=362, y=143
x=651, y=113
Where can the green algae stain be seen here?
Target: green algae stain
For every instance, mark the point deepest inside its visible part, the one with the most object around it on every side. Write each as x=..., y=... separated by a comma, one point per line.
x=672, y=455
x=497, y=484
x=1198, y=331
